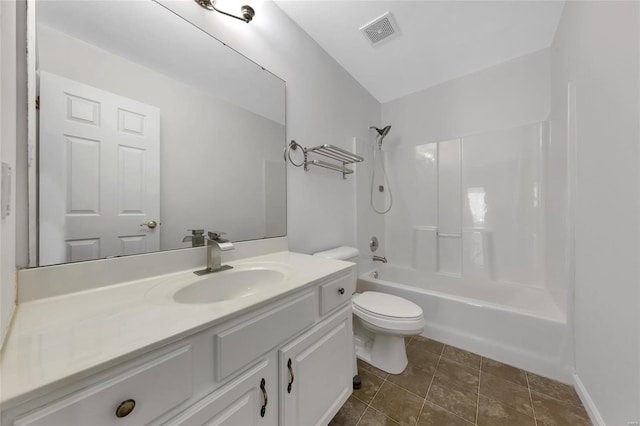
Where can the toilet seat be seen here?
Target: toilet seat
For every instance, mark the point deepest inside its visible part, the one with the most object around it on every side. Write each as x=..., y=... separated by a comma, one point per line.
x=386, y=305
x=388, y=313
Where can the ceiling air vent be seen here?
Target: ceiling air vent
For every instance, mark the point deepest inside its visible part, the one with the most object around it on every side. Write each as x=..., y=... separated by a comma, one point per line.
x=381, y=28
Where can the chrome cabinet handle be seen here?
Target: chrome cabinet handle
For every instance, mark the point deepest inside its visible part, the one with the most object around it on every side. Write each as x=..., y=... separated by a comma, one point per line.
x=125, y=408
x=341, y=290
x=265, y=397
x=291, y=374
x=151, y=224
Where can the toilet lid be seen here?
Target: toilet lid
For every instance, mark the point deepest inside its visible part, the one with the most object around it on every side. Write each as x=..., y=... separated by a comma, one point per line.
x=388, y=305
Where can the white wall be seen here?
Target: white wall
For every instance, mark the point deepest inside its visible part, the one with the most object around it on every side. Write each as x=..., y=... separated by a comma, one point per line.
x=506, y=95
x=488, y=126
x=8, y=106
x=596, y=50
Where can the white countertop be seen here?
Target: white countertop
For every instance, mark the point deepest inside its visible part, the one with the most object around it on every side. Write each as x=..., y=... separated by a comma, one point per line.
x=55, y=338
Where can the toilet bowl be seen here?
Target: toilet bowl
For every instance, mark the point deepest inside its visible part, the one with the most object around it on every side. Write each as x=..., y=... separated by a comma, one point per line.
x=380, y=322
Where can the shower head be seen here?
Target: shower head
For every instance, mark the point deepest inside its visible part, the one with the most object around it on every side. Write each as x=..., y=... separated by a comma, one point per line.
x=382, y=132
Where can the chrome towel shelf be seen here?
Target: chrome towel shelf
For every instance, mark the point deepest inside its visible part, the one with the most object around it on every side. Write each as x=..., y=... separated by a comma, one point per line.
x=343, y=157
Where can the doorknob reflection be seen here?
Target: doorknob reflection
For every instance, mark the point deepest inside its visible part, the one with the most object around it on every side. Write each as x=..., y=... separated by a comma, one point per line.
x=151, y=224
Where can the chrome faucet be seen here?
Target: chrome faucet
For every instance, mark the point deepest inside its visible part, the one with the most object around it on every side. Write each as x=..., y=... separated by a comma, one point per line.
x=379, y=259
x=215, y=246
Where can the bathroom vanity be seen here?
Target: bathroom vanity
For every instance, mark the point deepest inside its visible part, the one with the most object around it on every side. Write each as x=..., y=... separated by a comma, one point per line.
x=129, y=354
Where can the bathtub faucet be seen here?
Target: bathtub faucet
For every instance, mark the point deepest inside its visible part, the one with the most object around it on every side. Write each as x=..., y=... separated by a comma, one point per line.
x=379, y=259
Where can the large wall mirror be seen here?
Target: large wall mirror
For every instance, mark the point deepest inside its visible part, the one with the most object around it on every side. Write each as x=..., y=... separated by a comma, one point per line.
x=149, y=128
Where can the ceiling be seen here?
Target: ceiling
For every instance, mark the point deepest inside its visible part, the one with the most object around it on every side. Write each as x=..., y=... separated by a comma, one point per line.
x=438, y=40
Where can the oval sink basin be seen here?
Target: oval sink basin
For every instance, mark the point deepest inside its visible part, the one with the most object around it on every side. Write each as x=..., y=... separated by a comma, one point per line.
x=227, y=285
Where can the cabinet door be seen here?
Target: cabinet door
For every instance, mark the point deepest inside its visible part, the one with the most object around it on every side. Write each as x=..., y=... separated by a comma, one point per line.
x=316, y=372
x=243, y=402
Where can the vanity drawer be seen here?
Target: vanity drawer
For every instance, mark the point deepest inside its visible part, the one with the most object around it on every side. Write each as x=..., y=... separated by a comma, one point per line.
x=336, y=292
x=237, y=346
x=155, y=387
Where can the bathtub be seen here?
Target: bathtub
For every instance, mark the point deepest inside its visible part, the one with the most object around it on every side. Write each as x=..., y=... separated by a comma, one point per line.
x=514, y=324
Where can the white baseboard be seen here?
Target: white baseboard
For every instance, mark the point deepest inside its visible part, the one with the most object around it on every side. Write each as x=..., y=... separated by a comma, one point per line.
x=592, y=410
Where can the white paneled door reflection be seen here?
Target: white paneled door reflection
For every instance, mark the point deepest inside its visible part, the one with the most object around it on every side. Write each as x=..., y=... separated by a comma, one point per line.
x=99, y=173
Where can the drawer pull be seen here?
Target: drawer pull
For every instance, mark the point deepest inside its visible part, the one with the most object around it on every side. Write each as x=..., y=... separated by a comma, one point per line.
x=291, y=374
x=263, y=409
x=341, y=290
x=125, y=408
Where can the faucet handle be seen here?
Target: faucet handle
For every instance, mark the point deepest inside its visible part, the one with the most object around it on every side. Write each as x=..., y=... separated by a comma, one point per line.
x=216, y=235
x=196, y=231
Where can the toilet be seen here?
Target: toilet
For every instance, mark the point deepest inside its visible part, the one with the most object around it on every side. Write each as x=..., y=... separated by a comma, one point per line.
x=380, y=322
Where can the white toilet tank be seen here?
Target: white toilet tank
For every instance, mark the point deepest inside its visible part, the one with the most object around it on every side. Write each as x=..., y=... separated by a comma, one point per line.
x=350, y=254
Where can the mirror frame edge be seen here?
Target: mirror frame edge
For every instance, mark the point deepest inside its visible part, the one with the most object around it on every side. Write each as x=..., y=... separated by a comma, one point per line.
x=32, y=135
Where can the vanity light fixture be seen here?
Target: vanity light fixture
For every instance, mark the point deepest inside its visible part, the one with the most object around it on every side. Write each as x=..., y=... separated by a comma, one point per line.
x=247, y=11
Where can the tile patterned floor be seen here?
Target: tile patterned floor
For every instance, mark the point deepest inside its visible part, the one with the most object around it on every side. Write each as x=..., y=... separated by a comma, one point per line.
x=443, y=386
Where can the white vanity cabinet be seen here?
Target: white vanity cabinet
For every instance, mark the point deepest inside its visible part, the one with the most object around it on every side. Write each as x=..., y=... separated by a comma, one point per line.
x=236, y=372
x=315, y=372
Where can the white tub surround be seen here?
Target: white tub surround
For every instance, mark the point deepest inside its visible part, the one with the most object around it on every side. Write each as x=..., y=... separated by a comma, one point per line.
x=518, y=325
x=55, y=341
x=472, y=206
